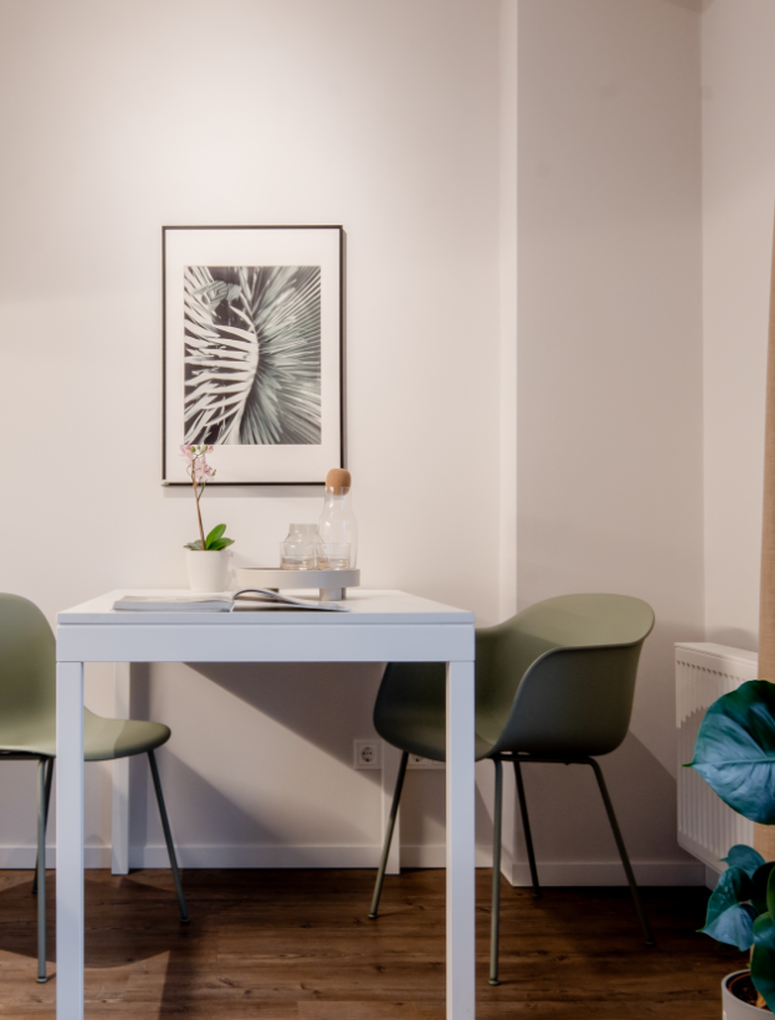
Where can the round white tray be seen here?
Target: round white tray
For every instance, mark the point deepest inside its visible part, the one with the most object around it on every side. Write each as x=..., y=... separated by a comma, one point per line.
x=333, y=584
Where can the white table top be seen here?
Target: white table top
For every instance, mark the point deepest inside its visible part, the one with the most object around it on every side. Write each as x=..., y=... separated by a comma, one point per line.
x=365, y=607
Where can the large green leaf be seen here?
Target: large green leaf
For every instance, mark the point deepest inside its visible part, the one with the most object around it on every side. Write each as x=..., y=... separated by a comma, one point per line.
x=215, y=540
x=220, y=543
x=745, y=857
x=730, y=917
x=763, y=958
x=214, y=535
x=735, y=750
x=761, y=885
x=771, y=893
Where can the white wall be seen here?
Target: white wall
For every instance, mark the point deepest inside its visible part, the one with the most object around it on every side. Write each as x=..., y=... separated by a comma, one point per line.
x=118, y=118
x=610, y=375
x=398, y=120
x=738, y=103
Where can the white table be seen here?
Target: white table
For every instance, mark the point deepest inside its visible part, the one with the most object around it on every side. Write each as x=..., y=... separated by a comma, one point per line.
x=382, y=626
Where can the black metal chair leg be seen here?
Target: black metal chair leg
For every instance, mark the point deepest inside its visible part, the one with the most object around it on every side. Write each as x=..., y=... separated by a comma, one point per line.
x=168, y=837
x=49, y=777
x=526, y=827
x=388, y=835
x=40, y=870
x=497, y=835
x=622, y=852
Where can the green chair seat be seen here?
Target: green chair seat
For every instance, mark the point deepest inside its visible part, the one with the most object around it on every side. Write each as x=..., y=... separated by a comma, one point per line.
x=106, y=739
x=103, y=739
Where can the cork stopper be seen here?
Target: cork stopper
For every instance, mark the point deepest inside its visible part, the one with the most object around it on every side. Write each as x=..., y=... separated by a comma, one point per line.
x=339, y=481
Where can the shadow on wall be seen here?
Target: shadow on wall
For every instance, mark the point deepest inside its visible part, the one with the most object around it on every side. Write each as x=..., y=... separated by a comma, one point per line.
x=734, y=637
x=568, y=818
x=244, y=765
x=319, y=702
x=325, y=704
x=244, y=824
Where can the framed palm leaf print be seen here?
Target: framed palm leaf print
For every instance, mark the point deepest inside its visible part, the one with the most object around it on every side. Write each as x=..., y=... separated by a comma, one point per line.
x=253, y=352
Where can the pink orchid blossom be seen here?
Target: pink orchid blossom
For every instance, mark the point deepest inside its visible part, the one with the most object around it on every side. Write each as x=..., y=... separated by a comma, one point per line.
x=200, y=473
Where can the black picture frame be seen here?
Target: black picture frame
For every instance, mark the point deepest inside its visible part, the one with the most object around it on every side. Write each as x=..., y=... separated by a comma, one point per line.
x=253, y=359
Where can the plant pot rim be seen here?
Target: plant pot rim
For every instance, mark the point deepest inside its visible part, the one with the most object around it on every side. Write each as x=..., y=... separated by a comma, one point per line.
x=745, y=1007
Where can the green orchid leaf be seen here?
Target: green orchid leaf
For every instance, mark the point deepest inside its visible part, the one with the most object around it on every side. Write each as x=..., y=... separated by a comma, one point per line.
x=196, y=546
x=763, y=958
x=214, y=535
x=220, y=543
x=735, y=750
x=745, y=857
x=730, y=917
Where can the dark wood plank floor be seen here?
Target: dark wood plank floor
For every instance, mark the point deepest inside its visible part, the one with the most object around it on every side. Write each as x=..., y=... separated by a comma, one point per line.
x=298, y=945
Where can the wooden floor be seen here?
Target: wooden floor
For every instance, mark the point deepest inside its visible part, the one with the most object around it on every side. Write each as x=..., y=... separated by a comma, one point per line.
x=298, y=944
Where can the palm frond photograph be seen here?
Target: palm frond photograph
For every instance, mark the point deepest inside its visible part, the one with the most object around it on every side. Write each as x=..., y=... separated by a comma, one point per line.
x=252, y=354
x=252, y=351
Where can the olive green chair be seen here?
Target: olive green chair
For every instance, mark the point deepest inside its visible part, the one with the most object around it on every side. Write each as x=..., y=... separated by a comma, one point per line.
x=28, y=731
x=553, y=684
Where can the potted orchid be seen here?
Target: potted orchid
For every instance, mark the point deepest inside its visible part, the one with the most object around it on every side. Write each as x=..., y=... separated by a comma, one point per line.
x=207, y=569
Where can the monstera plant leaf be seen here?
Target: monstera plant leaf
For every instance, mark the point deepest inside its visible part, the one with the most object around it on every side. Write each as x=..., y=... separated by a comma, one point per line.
x=735, y=753
x=735, y=750
x=730, y=918
x=763, y=958
x=745, y=857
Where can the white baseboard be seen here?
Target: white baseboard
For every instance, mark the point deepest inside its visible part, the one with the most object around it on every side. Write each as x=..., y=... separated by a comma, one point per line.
x=257, y=856
x=600, y=873
x=568, y=873
x=563, y=873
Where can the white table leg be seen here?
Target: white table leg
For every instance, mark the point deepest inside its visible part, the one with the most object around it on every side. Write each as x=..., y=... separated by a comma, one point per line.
x=461, y=898
x=69, y=884
x=120, y=829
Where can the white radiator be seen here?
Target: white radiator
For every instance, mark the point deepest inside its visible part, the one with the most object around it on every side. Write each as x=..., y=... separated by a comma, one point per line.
x=707, y=828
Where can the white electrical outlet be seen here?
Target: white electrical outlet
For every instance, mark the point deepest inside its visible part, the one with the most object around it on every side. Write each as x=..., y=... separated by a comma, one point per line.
x=417, y=762
x=367, y=754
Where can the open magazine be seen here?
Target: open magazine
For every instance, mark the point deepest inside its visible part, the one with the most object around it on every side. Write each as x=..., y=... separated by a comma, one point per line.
x=245, y=599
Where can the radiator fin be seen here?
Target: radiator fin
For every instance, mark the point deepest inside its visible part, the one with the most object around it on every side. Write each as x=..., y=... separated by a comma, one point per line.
x=707, y=828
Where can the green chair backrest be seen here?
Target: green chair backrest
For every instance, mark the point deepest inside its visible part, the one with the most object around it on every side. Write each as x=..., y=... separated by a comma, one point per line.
x=27, y=667
x=559, y=678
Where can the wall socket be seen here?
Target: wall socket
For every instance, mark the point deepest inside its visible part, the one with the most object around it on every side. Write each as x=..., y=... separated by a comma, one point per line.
x=367, y=754
x=416, y=762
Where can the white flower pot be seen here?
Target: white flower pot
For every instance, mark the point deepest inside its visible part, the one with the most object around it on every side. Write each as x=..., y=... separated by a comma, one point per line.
x=734, y=1008
x=208, y=570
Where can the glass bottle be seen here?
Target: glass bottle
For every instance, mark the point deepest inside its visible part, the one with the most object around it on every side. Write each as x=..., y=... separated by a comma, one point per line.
x=337, y=526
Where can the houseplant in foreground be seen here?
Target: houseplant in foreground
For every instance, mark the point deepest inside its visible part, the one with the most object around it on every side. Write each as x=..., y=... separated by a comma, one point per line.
x=735, y=754
x=205, y=560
